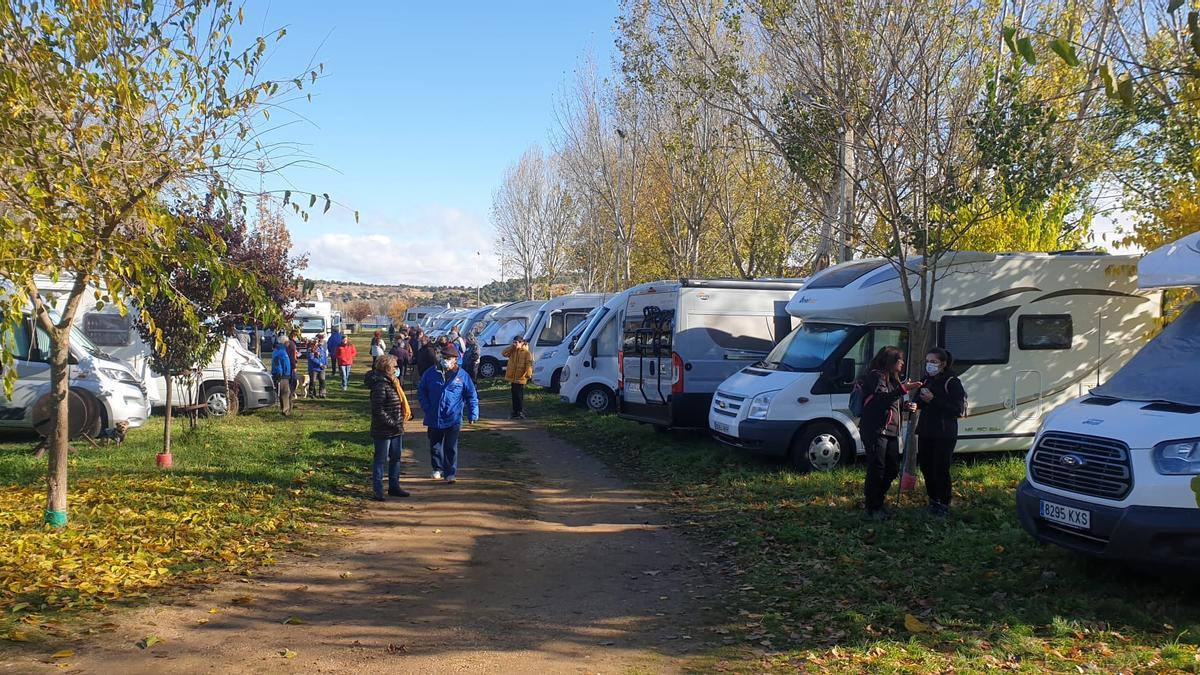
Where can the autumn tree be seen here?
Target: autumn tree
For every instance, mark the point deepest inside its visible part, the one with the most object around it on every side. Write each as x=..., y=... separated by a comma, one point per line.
x=397, y=310
x=358, y=310
x=107, y=105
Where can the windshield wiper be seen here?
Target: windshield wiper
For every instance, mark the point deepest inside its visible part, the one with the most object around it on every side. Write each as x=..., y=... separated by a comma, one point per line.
x=775, y=365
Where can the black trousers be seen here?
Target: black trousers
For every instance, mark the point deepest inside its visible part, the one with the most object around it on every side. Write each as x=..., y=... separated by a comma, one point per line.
x=934, y=454
x=883, y=465
x=518, y=398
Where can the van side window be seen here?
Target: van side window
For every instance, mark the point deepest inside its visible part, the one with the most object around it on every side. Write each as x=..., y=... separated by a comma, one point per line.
x=975, y=339
x=107, y=330
x=737, y=331
x=29, y=344
x=1044, y=331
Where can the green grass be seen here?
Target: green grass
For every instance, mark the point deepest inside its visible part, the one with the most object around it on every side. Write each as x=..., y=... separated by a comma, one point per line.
x=814, y=585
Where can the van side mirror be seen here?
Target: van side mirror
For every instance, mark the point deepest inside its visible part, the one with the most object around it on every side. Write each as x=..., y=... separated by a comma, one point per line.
x=593, y=350
x=845, y=371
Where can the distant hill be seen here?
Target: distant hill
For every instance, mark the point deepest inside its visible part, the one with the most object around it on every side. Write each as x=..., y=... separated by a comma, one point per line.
x=381, y=296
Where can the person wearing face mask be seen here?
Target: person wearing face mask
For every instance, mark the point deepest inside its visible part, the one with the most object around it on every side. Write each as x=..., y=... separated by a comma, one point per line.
x=879, y=426
x=389, y=411
x=448, y=397
x=942, y=400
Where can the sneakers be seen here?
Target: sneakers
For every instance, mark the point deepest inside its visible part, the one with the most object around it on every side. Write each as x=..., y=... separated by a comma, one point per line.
x=398, y=492
x=938, y=510
x=451, y=480
x=437, y=475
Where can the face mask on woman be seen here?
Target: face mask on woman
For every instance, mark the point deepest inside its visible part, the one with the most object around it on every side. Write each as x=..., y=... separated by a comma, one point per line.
x=396, y=373
x=932, y=368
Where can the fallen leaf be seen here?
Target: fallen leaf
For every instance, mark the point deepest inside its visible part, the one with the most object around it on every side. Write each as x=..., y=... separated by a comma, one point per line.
x=301, y=589
x=148, y=641
x=437, y=531
x=287, y=654
x=397, y=649
x=214, y=610
x=202, y=621
x=294, y=621
x=63, y=654
x=18, y=607
x=18, y=636
x=243, y=600
x=432, y=567
x=346, y=575
x=914, y=625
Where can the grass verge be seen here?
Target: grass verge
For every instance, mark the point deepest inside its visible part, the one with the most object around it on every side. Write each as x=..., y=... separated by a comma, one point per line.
x=813, y=586
x=242, y=490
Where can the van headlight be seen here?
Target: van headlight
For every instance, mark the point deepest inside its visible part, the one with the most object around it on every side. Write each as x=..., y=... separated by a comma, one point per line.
x=759, y=405
x=566, y=374
x=1178, y=458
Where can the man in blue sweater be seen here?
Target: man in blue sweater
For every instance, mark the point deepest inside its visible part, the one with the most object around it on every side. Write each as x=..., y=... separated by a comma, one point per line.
x=447, y=397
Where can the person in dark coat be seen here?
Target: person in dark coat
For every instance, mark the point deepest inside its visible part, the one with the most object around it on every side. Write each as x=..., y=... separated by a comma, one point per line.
x=880, y=426
x=389, y=411
x=471, y=358
x=941, y=400
x=426, y=358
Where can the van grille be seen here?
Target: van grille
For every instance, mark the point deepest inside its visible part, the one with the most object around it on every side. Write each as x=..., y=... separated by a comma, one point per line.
x=727, y=404
x=1098, y=467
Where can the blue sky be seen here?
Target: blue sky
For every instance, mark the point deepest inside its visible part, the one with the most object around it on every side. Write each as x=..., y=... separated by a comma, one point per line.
x=422, y=108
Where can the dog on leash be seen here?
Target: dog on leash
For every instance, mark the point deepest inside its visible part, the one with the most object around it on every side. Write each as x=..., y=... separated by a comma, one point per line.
x=115, y=434
x=302, y=382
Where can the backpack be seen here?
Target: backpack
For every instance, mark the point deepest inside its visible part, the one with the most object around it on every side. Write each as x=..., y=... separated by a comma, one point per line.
x=857, y=399
x=963, y=412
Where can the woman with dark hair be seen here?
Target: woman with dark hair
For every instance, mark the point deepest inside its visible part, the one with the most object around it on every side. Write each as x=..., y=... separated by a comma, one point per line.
x=880, y=426
x=942, y=400
x=389, y=411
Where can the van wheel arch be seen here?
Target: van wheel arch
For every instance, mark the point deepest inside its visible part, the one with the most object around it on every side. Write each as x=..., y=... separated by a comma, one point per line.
x=590, y=398
x=822, y=445
x=556, y=381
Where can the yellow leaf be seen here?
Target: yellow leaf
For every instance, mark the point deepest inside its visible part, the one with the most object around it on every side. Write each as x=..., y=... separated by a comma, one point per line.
x=63, y=654
x=18, y=636
x=288, y=654
x=914, y=625
x=346, y=575
x=294, y=621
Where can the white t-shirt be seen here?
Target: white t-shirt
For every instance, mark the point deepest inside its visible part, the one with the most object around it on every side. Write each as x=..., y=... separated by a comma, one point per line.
x=377, y=350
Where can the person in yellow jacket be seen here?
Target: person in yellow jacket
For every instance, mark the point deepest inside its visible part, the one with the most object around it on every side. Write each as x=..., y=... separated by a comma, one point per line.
x=518, y=372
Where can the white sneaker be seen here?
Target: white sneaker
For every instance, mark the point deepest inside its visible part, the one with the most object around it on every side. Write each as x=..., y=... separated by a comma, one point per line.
x=437, y=475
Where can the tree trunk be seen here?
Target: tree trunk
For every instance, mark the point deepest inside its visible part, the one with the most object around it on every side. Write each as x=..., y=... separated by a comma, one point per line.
x=58, y=440
x=225, y=378
x=167, y=419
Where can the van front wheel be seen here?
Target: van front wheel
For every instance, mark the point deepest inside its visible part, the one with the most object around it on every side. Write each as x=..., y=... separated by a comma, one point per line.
x=822, y=447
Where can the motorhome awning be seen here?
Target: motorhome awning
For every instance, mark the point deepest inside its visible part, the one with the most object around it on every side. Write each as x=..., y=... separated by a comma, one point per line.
x=1175, y=265
x=1166, y=369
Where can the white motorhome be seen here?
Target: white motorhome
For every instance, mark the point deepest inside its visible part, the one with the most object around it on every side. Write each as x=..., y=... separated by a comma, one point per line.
x=589, y=376
x=549, y=361
x=448, y=321
x=478, y=320
x=553, y=322
x=108, y=329
x=102, y=390
x=312, y=318
x=1027, y=331
x=680, y=340
x=415, y=316
x=1114, y=473
x=510, y=321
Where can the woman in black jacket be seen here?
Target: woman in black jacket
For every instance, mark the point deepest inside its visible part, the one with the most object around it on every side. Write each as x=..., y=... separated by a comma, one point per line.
x=880, y=426
x=389, y=410
x=942, y=401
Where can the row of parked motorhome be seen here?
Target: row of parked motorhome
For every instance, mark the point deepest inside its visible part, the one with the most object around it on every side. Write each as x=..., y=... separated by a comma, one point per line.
x=768, y=366
x=111, y=375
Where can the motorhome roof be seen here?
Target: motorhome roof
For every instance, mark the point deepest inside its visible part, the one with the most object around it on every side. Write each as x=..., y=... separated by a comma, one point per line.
x=1176, y=265
x=869, y=291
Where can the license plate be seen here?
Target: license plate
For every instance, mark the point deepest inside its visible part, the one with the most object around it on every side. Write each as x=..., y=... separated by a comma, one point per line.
x=1065, y=515
x=721, y=427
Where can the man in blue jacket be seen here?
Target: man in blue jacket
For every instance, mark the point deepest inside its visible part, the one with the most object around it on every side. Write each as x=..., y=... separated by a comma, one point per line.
x=318, y=359
x=447, y=397
x=335, y=340
x=281, y=370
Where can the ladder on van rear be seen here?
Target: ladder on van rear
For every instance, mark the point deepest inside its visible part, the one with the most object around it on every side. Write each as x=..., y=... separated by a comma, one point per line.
x=647, y=356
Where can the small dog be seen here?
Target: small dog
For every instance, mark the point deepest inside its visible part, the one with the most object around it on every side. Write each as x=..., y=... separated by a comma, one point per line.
x=115, y=434
x=302, y=382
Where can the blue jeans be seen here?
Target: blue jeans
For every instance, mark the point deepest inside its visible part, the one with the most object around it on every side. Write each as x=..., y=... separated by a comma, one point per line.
x=387, y=453
x=345, y=376
x=443, y=450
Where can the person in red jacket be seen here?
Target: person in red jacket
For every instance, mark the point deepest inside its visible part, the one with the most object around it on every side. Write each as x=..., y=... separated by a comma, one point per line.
x=345, y=358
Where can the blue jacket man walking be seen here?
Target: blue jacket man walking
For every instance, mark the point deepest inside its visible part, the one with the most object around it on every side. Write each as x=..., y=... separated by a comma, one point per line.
x=281, y=371
x=318, y=359
x=447, y=396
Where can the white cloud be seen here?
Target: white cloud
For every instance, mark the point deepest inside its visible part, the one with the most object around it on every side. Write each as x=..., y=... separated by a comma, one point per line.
x=440, y=250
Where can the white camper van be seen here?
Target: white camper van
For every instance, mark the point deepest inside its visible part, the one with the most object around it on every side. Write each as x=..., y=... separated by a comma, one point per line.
x=106, y=328
x=1027, y=332
x=478, y=320
x=548, y=362
x=1115, y=473
x=312, y=318
x=510, y=321
x=589, y=376
x=549, y=329
x=103, y=391
x=415, y=316
x=680, y=340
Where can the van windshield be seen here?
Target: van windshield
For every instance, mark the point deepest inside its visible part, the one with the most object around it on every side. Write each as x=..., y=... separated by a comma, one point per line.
x=535, y=326
x=596, y=319
x=807, y=347
x=312, y=325
x=1166, y=369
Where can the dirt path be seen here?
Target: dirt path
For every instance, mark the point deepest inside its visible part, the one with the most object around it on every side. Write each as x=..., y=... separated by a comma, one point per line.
x=539, y=561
